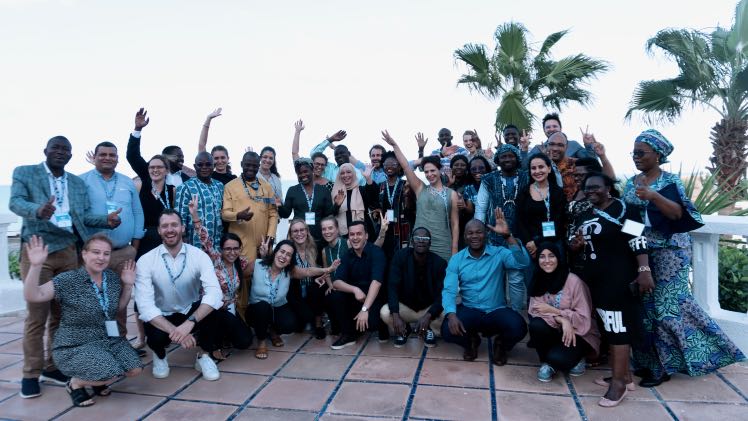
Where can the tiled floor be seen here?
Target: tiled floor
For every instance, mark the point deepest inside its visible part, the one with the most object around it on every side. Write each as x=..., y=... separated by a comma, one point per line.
x=306, y=380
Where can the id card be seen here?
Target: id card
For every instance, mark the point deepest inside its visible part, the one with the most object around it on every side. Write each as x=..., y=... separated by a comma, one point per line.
x=111, y=207
x=632, y=227
x=549, y=229
x=232, y=308
x=309, y=218
x=390, y=215
x=63, y=220
x=111, y=328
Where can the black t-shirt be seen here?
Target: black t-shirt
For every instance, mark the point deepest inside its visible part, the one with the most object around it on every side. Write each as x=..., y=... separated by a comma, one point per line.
x=223, y=178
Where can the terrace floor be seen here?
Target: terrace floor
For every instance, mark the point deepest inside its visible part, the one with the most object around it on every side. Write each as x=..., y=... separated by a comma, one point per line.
x=306, y=380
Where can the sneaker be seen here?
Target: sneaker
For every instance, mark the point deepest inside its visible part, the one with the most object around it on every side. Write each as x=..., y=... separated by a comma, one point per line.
x=343, y=341
x=578, y=369
x=429, y=340
x=205, y=365
x=545, y=373
x=400, y=340
x=54, y=377
x=30, y=388
x=160, y=367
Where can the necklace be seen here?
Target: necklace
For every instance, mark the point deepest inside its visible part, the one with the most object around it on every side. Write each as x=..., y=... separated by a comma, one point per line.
x=546, y=199
x=503, y=189
x=157, y=195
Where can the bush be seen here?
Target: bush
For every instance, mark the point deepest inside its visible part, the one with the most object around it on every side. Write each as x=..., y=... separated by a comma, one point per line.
x=14, y=265
x=733, y=278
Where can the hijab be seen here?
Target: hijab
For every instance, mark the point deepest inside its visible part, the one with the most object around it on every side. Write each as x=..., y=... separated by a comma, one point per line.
x=552, y=282
x=357, y=201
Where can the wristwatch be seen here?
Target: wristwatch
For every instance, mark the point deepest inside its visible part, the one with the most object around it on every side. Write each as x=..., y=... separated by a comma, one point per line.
x=192, y=318
x=364, y=309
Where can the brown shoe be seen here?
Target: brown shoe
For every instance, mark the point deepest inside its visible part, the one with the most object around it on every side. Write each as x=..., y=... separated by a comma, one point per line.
x=471, y=352
x=499, y=353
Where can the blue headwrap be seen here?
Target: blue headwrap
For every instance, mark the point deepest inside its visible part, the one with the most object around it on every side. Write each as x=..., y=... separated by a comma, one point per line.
x=657, y=142
x=509, y=148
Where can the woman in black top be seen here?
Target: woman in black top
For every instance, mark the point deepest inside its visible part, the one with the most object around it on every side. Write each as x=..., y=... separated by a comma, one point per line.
x=393, y=196
x=541, y=207
x=305, y=197
x=155, y=196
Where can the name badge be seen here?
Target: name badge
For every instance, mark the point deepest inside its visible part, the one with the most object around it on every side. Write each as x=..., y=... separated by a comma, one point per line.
x=549, y=229
x=111, y=328
x=390, y=215
x=111, y=207
x=633, y=228
x=309, y=218
x=63, y=220
x=232, y=309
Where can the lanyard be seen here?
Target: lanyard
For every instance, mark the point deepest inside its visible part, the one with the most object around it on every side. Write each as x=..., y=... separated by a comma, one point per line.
x=272, y=292
x=391, y=194
x=164, y=203
x=173, y=278
x=309, y=200
x=442, y=194
x=546, y=200
x=337, y=253
x=255, y=186
x=303, y=264
x=109, y=194
x=607, y=216
x=62, y=190
x=503, y=191
x=102, y=295
x=232, y=282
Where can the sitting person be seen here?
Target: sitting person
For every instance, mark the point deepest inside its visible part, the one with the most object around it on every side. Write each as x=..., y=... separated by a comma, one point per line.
x=177, y=293
x=87, y=347
x=477, y=272
x=268, y=311
x=414, y=291
x=355, y=303
x=561, y=324
x=230, y=268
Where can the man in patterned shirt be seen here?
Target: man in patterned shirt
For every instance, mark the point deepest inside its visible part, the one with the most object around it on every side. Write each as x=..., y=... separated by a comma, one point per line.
x=209, y=193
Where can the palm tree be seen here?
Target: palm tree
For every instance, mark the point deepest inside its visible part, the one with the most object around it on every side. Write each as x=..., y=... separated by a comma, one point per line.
x=713, y=72
x=516, y=78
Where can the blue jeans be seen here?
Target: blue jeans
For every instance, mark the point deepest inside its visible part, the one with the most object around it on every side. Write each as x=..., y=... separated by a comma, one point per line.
x=505, y=322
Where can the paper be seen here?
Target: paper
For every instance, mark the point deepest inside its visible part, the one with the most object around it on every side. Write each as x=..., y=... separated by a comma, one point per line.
x=309, y=218
x=390, y=215
x=633, y=228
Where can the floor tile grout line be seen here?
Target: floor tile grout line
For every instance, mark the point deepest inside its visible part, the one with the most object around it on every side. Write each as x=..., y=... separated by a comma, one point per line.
x=731, y=386
x=492, y=383
x=663, y=403
x=267, y=381
x=342, y=379
x=575, y=397
x=414, y=384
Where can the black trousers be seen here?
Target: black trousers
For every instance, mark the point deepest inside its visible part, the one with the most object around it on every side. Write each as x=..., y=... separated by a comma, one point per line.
x=343, y=307
x=228, y=327
x=263, y=316
x=208, y=331
x=551, y=349
x=306, y=307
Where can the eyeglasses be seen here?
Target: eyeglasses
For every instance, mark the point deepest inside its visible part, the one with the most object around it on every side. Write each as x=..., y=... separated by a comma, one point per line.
x=203, y=164
x=593, y=187
x=231, y=249
x=579, y=176
x=420, y=239
x=156, y=167
x=638, y=154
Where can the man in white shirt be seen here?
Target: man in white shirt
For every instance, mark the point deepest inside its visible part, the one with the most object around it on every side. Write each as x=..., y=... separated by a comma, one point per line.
x=167, y=290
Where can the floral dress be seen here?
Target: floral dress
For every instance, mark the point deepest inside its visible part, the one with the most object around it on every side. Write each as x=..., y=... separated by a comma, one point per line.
x=680, y=336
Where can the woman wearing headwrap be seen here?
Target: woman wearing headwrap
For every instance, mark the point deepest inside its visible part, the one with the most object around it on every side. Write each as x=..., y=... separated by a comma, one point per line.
x=681, y=337
x=352, y=202
x=561, y=323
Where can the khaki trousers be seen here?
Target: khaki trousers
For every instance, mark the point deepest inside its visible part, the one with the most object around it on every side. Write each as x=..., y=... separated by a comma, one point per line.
x=410, y=316
x=43, y=315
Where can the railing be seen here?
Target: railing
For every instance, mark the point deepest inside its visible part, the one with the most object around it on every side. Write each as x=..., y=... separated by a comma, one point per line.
x=706, y=270
x=11, y=290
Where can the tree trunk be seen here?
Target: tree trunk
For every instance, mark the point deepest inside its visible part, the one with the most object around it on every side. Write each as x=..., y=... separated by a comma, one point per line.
x=728, y=158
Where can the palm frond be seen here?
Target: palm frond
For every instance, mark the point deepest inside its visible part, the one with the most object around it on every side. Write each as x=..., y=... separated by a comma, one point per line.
x=737, y=41
x=513, y=110
x=657, y=99
x=573, y=69
x=511, y=49
x=478, y=63
x=690, y=50
x=720, y=49
x=549, y=42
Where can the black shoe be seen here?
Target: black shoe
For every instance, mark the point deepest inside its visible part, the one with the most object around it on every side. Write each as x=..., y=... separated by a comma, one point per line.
x=429, y=339
x=343, y=341
x=320, y=332
x=654, y=381
x=384, y=335
x=30, y=388
x=643, y=373
x=54, y=377
x=400, y=340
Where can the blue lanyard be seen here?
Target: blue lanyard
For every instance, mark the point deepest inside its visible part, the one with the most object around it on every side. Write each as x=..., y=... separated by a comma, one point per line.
x=607, y=216
x=337, y=253
x=256, y=186
x=391, y=194
x=173, y=278
x=109, y=194
x=102, y=295
x=272, y=292
x=546, y=200
x=309, y=200
x=62, y=191
x=165, y=204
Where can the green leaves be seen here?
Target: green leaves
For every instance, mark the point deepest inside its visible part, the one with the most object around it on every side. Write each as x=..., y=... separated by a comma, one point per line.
x=733, y=278
x=659, y=99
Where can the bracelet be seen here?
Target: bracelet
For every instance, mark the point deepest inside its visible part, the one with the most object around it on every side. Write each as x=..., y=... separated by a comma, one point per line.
x=644, y=269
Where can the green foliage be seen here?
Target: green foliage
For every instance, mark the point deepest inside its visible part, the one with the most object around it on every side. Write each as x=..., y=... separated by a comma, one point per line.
x=733, y=278
x=518, y=74
x=715, y=195
x=14, y=265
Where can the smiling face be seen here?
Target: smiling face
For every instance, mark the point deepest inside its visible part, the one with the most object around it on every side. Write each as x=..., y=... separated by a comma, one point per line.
x=508, y=162
x=511, y=136
x=596, y=192
x=357, y=237
x=347, y=176
x=58, y=153
x=329, y=231
x=475, y=235
x=204, y=166
x=557, y=147
x=551, y=126
x=170, y=229
x=477, y=169
x=176, y=159
x=221, y=161
x=230, y=251
x=579, y=174
x=445, y=137
x=391, y=167
x=421, y=241
x=539, y=170
x=319, y=166
x=459, y=168
x=96, y=257
x=431, y=173
x=645, y=158
x=157, y=170
x=304, y=175
x=106, y=159
x=375, y=156
x=467, y=140
x=547, y=261
x=299, y=233
x=250, y=166
x=267, y=159
x=283, y=256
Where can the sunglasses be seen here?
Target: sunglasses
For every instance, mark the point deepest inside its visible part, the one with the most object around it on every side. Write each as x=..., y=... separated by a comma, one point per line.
x=638, y=154
x=420, y=239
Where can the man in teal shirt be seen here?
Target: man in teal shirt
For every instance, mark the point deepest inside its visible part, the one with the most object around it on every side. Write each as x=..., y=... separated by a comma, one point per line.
x=477, y=271
x=342, y=156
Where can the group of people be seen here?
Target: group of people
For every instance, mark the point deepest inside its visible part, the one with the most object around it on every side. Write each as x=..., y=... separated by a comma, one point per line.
x=489, y=234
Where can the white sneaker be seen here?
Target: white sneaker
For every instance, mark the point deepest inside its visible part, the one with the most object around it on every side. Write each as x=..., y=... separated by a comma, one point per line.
x=160, y=367
x=205, y=365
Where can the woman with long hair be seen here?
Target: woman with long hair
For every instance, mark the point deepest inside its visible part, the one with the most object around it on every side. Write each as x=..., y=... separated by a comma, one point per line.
x=269, y=172
x=458, y=176
x=352, y=202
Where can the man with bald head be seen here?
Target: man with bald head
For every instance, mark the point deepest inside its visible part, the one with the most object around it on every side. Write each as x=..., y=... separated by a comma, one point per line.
x=209, y=194
x=477, y=272
x=54, y=205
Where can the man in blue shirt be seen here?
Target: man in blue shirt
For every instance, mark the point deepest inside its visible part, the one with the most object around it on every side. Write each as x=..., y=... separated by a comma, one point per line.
x=342, y=156
x=477, y=271
x=108, y=191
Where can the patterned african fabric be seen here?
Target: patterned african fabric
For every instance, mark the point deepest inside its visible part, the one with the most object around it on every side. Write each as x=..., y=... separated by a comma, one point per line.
x=209, y=202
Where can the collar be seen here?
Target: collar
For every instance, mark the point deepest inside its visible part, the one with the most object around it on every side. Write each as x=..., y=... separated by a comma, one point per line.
x=488, y=250
x=46, y=168
x=163, y=250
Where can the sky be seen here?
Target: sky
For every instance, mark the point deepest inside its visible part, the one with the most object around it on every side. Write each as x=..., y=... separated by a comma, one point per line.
x=82, y=69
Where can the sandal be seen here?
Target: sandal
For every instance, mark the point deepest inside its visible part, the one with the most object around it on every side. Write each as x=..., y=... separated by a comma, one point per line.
x=102, y=390
x=80, y=396
x=276, y=340
x=262, y=352
x=220, y=357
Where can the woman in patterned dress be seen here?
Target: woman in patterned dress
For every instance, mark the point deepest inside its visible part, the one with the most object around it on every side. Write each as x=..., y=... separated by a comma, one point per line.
x=680, y=336
x=87, y=346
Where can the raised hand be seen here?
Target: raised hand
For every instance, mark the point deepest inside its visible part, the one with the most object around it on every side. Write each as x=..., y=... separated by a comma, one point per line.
x=460, y=202
x=501, y=227
x=264, y=246
x=389, y=140
x=525, y=140
x=90, y=157
x=298, y=126
x=36, y=250
x=449, y=150
x=367, y=172
x=334, y=266
x=214, y=114
x=599, y=149
x=488, y=152
x=338, y=136
x=141, y=119
x=497, y=136
x=421, y=140
x=113, y=219
x=339, y=197
x=128, y=273
x=192, y=206
x=587, y=137
x=46, y=210
x=249, y=149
